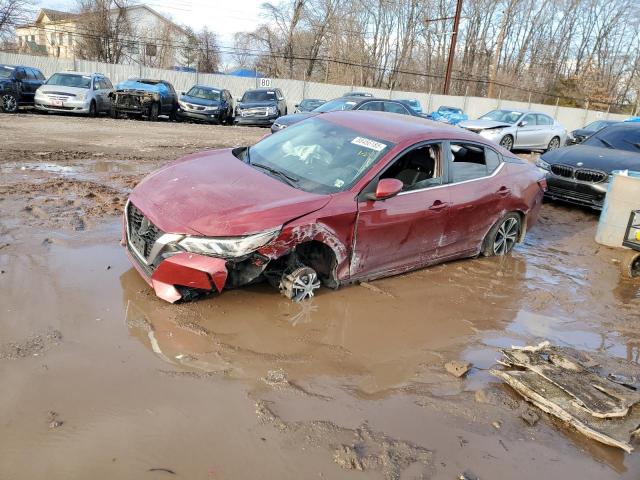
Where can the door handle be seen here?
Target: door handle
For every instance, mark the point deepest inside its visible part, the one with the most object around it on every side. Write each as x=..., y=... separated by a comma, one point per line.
x=504, y=191
x=438, y=205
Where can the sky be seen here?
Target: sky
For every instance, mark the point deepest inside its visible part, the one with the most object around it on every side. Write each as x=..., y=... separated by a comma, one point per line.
x=224, y=17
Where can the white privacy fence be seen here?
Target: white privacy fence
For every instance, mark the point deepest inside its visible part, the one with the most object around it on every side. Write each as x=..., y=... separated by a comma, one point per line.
x=296, y=90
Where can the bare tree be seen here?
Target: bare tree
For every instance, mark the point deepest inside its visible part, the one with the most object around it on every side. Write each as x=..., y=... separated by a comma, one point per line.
x=13, y=13
x=104, y=31
x=209, y=52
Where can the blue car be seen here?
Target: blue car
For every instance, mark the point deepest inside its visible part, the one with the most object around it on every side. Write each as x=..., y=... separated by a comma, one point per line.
x=450, y=115
x=206, y=104
x=144, y=98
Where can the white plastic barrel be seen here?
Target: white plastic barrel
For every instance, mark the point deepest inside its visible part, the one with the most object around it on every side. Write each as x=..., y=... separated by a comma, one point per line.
x=622, y=198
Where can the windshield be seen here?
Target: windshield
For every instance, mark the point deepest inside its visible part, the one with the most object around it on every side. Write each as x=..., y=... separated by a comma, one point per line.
x=335, y=105
x=616, y=137
x=6, y=72
x=70, y=80
x=319, y=156
x=204, y=93
x=597, y=125
x=259, y=96
x=310, y=104
x=506, y=116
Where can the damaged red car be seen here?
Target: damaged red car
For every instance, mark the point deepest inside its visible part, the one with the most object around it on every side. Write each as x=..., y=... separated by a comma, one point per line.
x=344, y=197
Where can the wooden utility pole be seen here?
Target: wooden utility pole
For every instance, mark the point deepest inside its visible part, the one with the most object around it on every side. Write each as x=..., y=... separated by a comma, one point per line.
x=452, y=48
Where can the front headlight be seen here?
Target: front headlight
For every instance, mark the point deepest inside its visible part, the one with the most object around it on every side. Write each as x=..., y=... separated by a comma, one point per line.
x=272, y=110
x=182, y=104
x=543, y=165
x=493, y=131
x=81, y=96
x=229, y=247
x=278, y=126
x=212, y=109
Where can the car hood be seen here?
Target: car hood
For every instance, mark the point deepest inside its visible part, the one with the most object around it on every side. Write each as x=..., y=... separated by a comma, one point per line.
x=606, y=159
x=200, y=101
x=295, y=118
x=215, y=194
x=581, y=132
x=483, y=124
x=268, y=103
x=62, y=89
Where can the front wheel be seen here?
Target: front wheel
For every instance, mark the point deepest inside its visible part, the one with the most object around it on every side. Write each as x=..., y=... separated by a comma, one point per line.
x=114, y=113
x=154, y=112
x=93, y=110
x=300, y=284
x=631, y=264
x=507, y=142
x=503, y=236
x=9, y=103
x=553, y=144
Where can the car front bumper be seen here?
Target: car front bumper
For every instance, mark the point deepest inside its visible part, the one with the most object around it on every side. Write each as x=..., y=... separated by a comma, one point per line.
x=256, y=120
x=580, y=193
x=71, y=106
x=204, y=116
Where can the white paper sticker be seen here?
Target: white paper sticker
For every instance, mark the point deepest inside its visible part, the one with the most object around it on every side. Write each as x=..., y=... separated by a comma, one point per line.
x=368, y=143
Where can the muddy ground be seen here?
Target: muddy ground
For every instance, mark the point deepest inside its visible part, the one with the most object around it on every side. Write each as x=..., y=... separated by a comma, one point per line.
x=99, y=379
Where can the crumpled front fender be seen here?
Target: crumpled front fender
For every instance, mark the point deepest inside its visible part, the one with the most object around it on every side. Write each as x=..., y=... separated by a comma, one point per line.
x=189, y=270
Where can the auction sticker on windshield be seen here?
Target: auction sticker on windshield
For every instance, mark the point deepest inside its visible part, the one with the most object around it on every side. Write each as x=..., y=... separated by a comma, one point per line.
x=368, y=143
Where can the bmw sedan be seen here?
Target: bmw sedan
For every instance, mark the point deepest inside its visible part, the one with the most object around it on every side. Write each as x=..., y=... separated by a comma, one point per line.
x=343, y=197
x=580, y=174
x=519, y=129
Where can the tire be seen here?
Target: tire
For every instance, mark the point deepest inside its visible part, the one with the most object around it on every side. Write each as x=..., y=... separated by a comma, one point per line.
x=507, y=142
x=173, y=115
x=503, y=236
x=9, y=103
x=154, y=112
x=630, y=264
x=300, y=284
x=554, y=144
x=114, y=113
x=93, y=109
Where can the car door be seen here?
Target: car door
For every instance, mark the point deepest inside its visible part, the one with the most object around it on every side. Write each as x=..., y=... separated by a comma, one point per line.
x=403, y=232
x=108, y=88
x=528, y=132
x=170, y=99
x=547, y=131
x=38, y=79
x=477, y=193
x=22, y=86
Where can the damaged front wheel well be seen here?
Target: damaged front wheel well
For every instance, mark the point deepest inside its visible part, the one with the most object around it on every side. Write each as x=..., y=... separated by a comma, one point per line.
x=314, y=254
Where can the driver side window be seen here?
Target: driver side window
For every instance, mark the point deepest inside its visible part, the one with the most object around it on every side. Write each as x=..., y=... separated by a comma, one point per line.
x=418, y=168
x=530, y=119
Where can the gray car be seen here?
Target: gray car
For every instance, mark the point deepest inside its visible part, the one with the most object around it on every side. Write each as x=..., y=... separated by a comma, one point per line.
x=519, y=129
x=74, y=92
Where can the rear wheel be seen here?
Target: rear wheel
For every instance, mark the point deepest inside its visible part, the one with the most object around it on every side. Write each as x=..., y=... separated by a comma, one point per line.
x=507, y=142
x=503, y=236
x=553, y=144
x=9, y=103
x=114, y=113
x=300, y=284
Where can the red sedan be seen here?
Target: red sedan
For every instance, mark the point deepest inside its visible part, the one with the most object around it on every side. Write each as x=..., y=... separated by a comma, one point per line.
x=343, y=197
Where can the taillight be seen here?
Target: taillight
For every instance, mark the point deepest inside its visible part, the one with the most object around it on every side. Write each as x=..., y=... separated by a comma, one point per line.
x=542, y=183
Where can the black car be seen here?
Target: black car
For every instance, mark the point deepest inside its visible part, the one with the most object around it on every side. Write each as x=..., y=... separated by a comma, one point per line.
x=309, y=104
x=358, y=94
x=18, y=85
x=206, y=104
x=347, y=103
x=144, y=97
x=260, y=107
x=580, y=174
x=579, y=135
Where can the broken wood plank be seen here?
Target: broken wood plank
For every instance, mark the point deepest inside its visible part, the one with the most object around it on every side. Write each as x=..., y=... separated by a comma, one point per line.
x=544, y=394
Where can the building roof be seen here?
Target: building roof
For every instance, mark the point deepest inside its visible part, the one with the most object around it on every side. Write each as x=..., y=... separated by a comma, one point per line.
x=56, y=15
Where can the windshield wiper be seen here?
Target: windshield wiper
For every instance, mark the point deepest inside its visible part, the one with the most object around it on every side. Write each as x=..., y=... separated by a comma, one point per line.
x=286, y=177
x=608, y=145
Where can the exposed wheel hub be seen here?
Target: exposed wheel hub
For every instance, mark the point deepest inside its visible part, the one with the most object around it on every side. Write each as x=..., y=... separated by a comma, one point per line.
x=300, y=284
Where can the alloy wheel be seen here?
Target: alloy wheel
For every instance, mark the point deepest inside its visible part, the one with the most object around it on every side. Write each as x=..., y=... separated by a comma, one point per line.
x=507, y=142
x=9, y=103
x=506, y=236
x=554, y=143
x=300, y=284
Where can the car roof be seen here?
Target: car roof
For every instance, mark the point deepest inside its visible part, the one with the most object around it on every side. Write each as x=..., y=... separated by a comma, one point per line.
x=82, y=74
x=396, y=128
x=261, y=89
x=218, y=89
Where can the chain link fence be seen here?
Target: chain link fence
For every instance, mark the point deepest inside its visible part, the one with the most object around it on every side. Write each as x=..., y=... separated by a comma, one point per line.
x=296, y=90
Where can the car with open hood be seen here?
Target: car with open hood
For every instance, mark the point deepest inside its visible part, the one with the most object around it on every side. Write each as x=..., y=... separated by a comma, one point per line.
x=346, y=103
x=580, y=134
x=18, y=85
x=75, y=92
x=144, y=97
x=260, y=107
x=580, y=174
x=339, y=198
x=206, y=104
x=519, y=129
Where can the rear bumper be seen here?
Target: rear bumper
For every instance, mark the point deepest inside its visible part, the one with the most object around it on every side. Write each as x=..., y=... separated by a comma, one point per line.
x=580, y=193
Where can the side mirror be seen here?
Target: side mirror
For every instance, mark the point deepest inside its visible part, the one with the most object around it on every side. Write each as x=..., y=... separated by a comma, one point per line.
x=386, y=188
x=297, y=105
x=183, y=92
x=523, y=123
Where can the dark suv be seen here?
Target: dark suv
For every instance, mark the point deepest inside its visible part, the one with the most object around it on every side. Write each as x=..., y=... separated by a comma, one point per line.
x=260, y=107
x=18, y=86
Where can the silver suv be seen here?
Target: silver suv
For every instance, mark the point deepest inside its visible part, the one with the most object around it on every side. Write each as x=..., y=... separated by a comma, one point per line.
x=74, y=92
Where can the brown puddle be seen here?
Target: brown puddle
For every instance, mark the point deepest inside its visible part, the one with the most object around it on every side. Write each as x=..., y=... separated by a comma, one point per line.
x=102, y=380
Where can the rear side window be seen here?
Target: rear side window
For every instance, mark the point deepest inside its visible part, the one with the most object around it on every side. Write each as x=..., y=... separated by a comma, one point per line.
x=544, y=120
x=372, y=106
x=38, y=74
x=395, y=108
x=31, y=75
x=107, y=83
x=471, y=161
